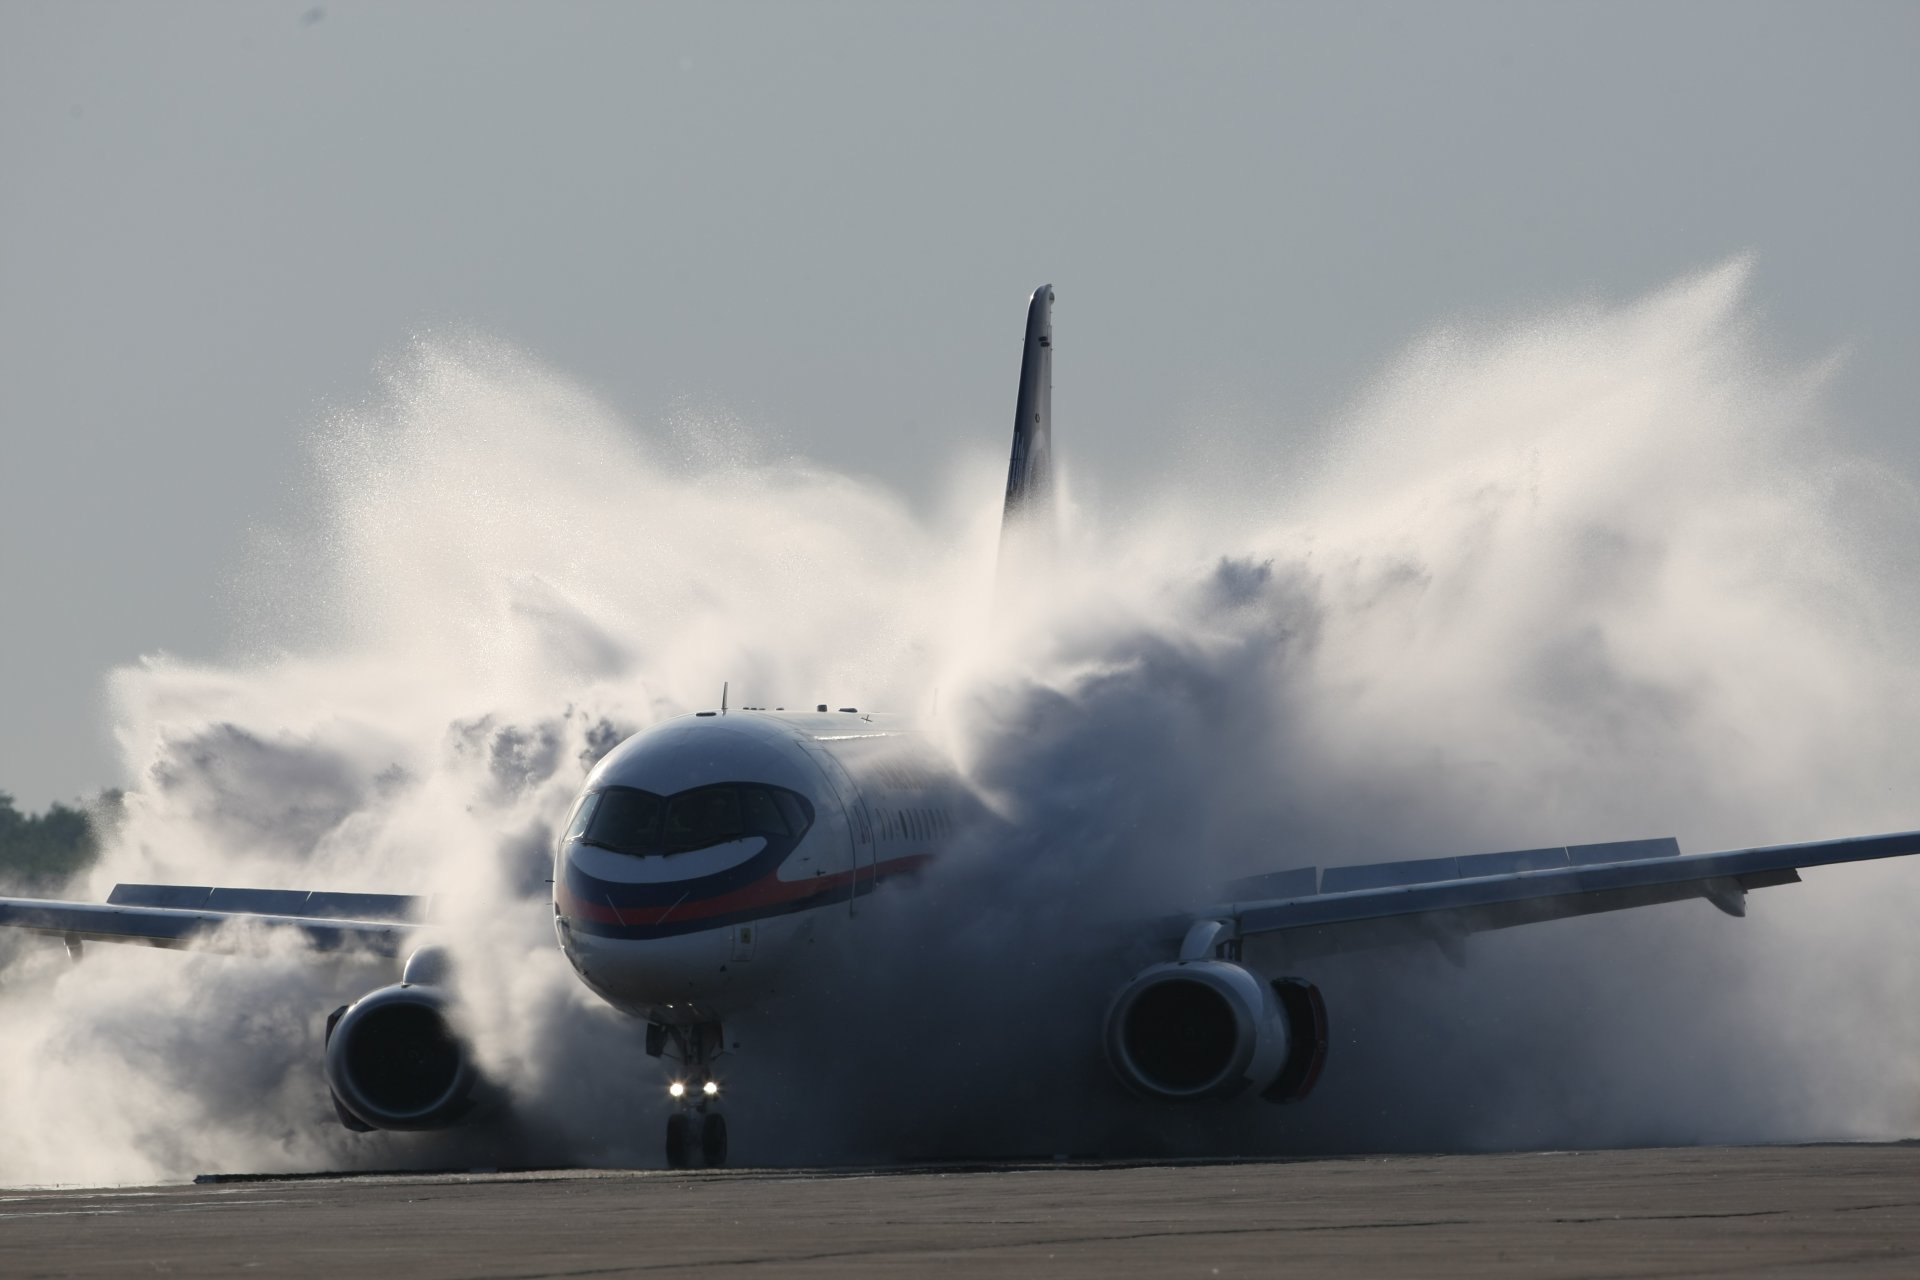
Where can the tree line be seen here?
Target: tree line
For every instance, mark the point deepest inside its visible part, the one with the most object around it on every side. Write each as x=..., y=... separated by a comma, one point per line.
x=41, y=851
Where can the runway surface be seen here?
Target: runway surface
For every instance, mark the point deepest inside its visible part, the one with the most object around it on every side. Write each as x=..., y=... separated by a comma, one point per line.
x=1741, y=1211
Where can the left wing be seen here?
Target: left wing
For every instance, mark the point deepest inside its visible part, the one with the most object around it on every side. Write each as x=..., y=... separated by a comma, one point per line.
x=1442, y=900
x=168, y=915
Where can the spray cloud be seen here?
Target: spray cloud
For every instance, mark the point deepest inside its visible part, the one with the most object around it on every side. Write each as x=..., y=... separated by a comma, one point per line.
x=1589, y=577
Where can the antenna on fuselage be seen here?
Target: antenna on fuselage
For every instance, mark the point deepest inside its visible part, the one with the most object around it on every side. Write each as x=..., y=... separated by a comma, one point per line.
x=723, y=697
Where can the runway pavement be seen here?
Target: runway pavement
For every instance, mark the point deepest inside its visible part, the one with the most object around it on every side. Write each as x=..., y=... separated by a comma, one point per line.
x=1825, y=1210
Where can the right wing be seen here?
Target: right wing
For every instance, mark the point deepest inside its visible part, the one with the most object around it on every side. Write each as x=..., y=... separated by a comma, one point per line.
x=1442, y=900
x=168, y=915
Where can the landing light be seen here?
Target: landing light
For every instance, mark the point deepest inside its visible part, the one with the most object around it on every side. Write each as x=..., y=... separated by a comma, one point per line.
x=710, y=1088
x=677, y=1090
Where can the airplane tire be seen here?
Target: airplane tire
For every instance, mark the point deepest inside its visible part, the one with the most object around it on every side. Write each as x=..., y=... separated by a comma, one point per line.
x=680, y=1140
x=713, y=1141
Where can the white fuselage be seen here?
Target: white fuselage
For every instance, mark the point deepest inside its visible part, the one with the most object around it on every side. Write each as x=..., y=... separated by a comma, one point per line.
x=735, y=840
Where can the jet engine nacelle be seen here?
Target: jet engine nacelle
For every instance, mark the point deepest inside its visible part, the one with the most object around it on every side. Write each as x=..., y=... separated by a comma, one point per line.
x=394, y=1062
x=1188, y=1030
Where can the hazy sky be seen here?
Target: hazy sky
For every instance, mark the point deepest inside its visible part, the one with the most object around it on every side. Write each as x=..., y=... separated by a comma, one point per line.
x=217, y=219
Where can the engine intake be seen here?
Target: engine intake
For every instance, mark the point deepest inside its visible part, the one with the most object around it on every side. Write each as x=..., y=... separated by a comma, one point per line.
x=1189, y=1030
x=393, y=1061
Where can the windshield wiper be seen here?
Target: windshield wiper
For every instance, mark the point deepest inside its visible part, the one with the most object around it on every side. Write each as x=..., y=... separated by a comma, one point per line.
x=615, y=848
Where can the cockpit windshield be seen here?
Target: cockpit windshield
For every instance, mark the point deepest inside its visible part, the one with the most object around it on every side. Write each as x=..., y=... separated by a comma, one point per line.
x=628, y=820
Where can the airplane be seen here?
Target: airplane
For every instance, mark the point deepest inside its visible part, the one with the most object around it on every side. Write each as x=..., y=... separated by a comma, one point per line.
x=705, y=854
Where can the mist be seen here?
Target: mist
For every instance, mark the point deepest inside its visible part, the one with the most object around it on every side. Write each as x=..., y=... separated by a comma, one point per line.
x=1589, y=575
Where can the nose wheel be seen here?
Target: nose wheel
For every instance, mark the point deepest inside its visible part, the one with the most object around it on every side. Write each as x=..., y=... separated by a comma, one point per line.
x=713, y=1140
x=696, y=1139
x=696, y=1131
x=680, y=1140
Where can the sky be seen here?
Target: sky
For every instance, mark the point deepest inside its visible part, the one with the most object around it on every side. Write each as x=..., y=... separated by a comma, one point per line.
x=218, y=222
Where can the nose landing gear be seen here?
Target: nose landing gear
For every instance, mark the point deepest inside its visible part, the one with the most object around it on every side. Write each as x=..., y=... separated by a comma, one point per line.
x=696, y=1131
x=696, y=1138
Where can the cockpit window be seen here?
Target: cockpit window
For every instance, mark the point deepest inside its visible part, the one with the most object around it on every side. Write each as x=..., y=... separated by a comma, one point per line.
x=627, y=820
x=797, y=813
x=582, y=815
x=759, y=813
x=696, y=819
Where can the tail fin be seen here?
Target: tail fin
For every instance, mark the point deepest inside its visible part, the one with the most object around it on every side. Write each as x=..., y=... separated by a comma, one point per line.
x=1030, y=472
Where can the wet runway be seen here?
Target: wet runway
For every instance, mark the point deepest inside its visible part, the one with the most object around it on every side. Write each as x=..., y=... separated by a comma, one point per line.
x=1826, y=1210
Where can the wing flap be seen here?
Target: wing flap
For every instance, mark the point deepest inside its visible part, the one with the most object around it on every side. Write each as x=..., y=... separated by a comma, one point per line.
x=157, y=926
x=1292, y=883
x=277, y=902
x=1395, y=909
x=1474, y=866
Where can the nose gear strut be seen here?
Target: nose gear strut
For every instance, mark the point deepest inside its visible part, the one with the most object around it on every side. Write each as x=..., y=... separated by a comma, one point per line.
x=696, y=1131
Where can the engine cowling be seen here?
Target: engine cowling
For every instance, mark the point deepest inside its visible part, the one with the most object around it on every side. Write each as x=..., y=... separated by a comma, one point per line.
x=1190, y=1030
x=394, y=1062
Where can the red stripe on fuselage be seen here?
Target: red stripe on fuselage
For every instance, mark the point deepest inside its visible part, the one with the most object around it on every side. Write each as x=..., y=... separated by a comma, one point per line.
x=767, y=892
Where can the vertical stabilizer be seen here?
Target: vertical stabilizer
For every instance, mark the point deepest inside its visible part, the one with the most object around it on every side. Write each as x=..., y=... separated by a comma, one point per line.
x=1029, y=509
